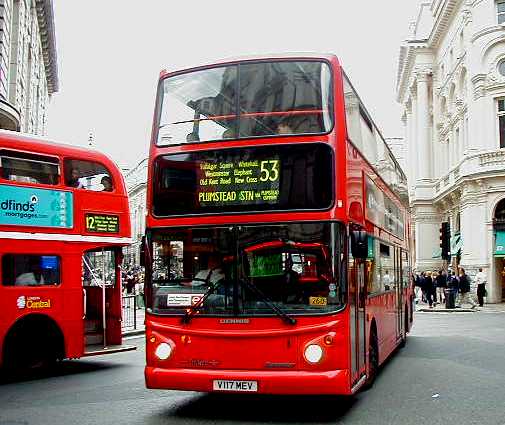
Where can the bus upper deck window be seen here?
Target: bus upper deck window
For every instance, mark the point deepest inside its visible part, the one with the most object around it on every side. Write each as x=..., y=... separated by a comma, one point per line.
x=88, y=175
x=29, y=168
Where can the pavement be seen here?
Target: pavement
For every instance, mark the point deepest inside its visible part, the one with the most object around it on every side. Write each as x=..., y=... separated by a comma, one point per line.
x=140, y=327
x=440, y=308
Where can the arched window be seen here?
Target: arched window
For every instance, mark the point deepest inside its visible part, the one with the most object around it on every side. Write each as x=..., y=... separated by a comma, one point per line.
x=499, y=213
x=88, y=175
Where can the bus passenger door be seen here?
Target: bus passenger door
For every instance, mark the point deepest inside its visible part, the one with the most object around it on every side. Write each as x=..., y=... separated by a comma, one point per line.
x=398, y=293
x=357, y=297
x=361, y=322
x=102, y=299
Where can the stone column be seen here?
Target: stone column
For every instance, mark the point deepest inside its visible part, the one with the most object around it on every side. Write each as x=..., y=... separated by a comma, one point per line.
x=454, y=149
x=478, y=137
x=413, y=137
x=423, y=125
x=474, y=230
x=409, y=143
x=426, y=224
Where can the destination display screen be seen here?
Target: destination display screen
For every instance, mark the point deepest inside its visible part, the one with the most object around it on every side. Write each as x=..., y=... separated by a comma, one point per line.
x=239, y=182
x=244, y=179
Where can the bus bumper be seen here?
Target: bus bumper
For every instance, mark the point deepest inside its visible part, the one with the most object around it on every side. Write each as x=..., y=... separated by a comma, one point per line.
x=274, y=382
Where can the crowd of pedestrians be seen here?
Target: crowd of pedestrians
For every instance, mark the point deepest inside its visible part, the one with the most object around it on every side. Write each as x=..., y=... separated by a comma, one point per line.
x=432, y=287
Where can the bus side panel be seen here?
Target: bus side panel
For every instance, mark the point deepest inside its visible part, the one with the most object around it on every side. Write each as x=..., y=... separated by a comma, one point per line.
x=73, y=302
x=382, y=309
x=62, y=303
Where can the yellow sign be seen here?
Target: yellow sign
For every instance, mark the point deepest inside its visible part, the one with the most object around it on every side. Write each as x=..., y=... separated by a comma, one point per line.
x=239, y=182
x=318, y=301
x=33, y=303
x=102, y=223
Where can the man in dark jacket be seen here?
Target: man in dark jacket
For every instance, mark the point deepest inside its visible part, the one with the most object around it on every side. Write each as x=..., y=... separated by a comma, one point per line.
x=429, y=288
x=452, y=281
x=422, y=285
x=464, y=289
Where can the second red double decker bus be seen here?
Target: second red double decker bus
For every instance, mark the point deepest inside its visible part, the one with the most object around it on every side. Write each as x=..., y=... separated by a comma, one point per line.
x=64, y=219
x=277, y=240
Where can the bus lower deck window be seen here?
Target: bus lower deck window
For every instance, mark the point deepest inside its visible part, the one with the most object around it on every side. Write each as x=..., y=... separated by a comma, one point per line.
x=30, y=270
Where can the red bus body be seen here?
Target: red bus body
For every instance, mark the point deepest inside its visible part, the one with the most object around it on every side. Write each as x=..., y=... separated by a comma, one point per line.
x=61, y=318
x=266, y=350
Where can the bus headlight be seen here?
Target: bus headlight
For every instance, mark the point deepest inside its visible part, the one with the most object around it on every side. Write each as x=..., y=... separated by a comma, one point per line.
x=313, y=353
x=163, y=351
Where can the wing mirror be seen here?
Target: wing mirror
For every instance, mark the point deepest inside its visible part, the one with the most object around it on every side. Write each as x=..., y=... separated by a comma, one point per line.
x=359, y=244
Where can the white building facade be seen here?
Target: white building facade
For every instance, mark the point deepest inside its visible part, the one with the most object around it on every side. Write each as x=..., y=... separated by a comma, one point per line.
x=28, y=64
x=136, y=183
x=451, y=82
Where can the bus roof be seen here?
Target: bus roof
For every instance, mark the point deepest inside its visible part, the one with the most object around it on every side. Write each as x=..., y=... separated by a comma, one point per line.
x=43, y=145
x=252, y=58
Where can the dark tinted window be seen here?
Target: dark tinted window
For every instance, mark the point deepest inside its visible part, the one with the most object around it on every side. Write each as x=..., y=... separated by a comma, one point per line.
x=284, y=98
x=245, y=179
x=30, y=270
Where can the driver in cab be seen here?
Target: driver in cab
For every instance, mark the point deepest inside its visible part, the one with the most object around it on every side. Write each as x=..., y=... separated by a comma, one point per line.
x=211, y=275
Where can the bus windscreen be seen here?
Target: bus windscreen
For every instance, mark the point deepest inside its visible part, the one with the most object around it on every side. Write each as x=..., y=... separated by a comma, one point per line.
x=251, y=99
x=294, y=177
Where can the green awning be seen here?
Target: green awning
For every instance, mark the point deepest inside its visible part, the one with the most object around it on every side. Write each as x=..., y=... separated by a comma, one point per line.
x=456, y=244
x=437, y=253
x=500, y=243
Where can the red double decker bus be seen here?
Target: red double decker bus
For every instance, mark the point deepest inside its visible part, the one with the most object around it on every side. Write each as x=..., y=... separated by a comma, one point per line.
x=277, y=240
x=64, y=219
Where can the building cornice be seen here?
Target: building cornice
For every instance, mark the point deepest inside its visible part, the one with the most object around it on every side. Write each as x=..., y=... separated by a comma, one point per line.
x=406, y=67
x=442, y=22
x=138, y=188
x=487, y=31
x=483, y=165
x=45, y=17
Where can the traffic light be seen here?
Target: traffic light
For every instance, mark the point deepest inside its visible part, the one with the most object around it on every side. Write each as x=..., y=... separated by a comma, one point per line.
x=445, y=240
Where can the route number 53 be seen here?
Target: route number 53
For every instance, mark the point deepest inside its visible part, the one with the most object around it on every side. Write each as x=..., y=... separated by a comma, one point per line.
x=269, y=170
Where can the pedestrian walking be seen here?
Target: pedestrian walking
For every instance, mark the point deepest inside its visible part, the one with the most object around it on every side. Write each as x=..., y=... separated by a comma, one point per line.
x=430, y=290
x=464, y=289
x=130, y=282
x=452, y=280
x=481, y=280
x=139, y=290
x=453, y=284
x=441, y=285
x=416, y=281
x=422, y=285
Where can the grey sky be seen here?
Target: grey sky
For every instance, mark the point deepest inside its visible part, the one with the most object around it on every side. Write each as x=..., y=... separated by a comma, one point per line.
x=110, y=54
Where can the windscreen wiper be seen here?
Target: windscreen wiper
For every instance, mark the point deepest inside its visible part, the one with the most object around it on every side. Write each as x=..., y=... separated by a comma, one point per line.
x=282, y=314
x=191, y=311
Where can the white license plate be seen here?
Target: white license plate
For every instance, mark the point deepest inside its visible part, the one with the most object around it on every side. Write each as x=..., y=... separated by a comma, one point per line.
x=242, y=386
